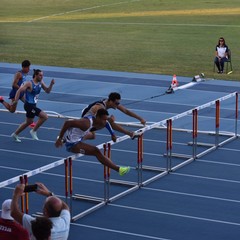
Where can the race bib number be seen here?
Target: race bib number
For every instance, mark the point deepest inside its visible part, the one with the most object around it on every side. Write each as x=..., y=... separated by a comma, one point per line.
x=36, y=98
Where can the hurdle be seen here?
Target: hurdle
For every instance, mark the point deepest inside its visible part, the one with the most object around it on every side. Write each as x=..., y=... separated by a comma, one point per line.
x=107, y=152
x=169, y=147
x=100, y=202
x=217, y=125
x=139, y=166
x=133, y=185
x=146, y=167
x=23, y=197
x=217, y=143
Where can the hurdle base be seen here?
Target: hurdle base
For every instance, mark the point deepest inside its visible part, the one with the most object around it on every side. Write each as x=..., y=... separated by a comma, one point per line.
x=179, y=155
x=152, y=168
x=121, y=182
x=87, y=198
x=88, y=211
x=201, y=144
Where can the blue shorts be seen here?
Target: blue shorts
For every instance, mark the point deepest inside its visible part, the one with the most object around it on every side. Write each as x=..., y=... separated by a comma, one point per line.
x=69, y=145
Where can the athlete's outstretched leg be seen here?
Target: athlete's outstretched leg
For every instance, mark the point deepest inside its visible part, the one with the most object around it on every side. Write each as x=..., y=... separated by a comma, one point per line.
x=94, y=151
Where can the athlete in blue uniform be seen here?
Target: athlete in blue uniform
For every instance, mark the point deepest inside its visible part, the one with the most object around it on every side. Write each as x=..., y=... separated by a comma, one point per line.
x=76, y=130
x=32, y=90
x=19, y=78
x=113, y=101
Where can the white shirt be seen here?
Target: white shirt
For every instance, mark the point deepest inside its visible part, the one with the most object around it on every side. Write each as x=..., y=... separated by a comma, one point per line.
x=60, y=229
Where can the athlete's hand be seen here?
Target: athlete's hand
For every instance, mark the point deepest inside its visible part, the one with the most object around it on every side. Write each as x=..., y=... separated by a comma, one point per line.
x=114, y=138
x=59, y=142
x=112, y=118
x=52, y=81
x=143, y=122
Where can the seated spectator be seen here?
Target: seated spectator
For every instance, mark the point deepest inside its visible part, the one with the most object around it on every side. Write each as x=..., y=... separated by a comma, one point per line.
x=9, y=229
x=54, y=208
x=41, y=228
x=221, y=54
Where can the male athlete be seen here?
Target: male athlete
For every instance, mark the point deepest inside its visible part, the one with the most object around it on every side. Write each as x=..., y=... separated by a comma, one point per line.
x=19, y=79
x=113, y=101
x=32, y=90
x=76, y=130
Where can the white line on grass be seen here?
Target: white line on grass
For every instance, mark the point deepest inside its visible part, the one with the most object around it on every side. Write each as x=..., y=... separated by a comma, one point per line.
x=150, y=24
x=81, y=10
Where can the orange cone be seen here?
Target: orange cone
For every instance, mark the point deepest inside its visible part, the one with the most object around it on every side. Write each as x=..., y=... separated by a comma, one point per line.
x=174, y=81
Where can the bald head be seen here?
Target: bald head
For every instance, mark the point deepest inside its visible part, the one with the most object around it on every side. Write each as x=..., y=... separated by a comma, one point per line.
x=53, y=207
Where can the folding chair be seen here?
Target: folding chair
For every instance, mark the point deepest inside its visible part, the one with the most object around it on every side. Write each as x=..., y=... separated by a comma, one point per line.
x=229, y=61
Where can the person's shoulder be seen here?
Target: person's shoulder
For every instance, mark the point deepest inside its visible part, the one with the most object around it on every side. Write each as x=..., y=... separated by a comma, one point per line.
x=86, y=119
x=27, y=218
x=28, y=82
x=65, y=214
x=6, y=222
x=16, y=227
x=20, y=228
x=19, y=73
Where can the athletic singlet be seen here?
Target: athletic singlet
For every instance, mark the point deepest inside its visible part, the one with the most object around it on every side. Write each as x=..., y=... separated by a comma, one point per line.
x=32, y=97
x=20, y=82
x=87, y=110
x=22, y=79
x=76, y=134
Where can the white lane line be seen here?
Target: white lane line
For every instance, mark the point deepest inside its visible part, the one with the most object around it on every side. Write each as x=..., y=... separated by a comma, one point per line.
x=121, y=232
x=192, y=195
x=176, y=214
x=81, y=10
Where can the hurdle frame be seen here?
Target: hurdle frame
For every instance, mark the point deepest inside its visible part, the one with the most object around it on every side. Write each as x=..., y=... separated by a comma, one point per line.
x=169, y=168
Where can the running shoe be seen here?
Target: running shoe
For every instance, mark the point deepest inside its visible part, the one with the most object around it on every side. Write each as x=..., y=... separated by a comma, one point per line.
x=123, y=170
x=136, y=134
x=34, y=135
x=15, y=137
x=1, y=99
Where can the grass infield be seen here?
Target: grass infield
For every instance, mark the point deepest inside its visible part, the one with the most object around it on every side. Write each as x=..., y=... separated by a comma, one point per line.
x=149, y=36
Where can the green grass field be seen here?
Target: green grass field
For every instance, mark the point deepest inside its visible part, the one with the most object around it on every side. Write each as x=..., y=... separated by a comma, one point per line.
x=148, y=36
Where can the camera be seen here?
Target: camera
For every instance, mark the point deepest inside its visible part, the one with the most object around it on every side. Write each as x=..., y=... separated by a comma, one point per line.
x=31, y=188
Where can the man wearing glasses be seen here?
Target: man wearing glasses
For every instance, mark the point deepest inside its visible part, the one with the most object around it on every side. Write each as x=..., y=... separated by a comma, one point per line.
x=221, y=55
x=113, y=101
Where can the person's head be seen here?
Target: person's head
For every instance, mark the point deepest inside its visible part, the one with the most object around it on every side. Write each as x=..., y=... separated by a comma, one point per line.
x=221, y=41
x=114, y=100
x=41, y=228
x=52, y=207
x=101, y=117
x=26, y=66
x=38, y=75
x=6, y=209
